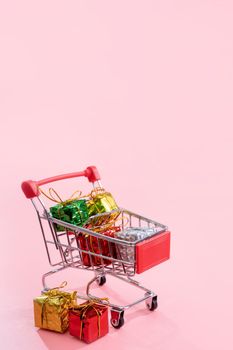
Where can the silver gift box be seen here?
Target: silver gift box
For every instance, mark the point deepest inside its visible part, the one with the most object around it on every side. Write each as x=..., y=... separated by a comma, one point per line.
x=132, y=234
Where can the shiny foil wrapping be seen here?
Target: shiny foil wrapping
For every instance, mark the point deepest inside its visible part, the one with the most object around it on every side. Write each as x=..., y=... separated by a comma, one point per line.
x=132, y=234
x=88, y=322
x=98, y=246
x=74, y=212
x=100, y=203
x=51, y=310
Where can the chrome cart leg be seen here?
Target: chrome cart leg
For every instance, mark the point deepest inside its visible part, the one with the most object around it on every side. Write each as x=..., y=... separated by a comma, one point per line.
x=117, y=311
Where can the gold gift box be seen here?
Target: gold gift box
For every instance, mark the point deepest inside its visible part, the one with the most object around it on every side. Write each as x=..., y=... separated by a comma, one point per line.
x=100, y=203
x=51, y=310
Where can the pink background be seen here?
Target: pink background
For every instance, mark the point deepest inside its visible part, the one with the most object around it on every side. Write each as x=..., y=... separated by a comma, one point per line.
x=143, y=90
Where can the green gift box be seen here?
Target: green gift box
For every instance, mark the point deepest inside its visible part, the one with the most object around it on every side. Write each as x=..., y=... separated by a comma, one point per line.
x=74, y=212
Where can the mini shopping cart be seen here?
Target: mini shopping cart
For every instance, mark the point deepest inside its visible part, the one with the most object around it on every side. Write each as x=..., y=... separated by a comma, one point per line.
x=124, y=259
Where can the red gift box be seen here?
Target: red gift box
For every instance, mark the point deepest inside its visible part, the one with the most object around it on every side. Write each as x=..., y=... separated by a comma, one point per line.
x=88, y=321
x=90, y=243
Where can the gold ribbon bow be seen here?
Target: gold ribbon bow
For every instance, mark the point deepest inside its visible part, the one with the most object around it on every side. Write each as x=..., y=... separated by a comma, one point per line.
x=96, y=191
x=54, y=196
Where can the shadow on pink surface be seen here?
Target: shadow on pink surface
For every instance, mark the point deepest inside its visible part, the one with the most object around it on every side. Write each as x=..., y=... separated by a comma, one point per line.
x=151, y=323
x=59, y=341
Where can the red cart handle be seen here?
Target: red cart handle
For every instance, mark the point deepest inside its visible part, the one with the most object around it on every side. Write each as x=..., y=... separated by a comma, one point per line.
x=31, y=188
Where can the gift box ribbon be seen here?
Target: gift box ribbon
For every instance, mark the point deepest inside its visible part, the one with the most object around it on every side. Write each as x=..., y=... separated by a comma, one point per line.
x=54, y=196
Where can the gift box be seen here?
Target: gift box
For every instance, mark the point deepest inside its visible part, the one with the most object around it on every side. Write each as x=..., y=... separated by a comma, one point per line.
x=152, y=247
x=51, y=310
x=72, y=211
x=98, y=246
x=88, y=321
x=101, y=202
x=133, y=234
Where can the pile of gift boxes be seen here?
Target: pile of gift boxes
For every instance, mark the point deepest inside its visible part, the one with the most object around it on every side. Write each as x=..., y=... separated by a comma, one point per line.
x=58, y=311
x=77, y=210
x=83, y=211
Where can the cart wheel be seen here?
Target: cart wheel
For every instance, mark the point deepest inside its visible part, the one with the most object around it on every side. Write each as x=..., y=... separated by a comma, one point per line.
x=101, y=280
x=152, y=303
x=117, y=318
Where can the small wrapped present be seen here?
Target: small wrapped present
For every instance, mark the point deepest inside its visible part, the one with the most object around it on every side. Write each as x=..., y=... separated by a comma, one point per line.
x=88, y=321
x=51, y=310
x=132, y=234
x=98, y=246
x=72, y=211
x=107, y=248
x=100, y=202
